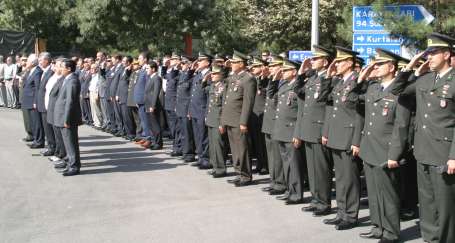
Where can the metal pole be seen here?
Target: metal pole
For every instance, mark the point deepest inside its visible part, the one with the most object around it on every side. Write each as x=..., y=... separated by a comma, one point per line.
x=314, y=23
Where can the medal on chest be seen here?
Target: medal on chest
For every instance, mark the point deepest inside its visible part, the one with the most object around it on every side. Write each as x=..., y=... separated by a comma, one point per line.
x=290, y=96
x=316, y=92
x=443, y=101
x=385, y=110
x=236, y=85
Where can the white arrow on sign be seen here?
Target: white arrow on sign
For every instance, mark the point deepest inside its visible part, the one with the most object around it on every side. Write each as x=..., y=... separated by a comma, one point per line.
x=428, y=18
x=360, y=50
x=360, y=38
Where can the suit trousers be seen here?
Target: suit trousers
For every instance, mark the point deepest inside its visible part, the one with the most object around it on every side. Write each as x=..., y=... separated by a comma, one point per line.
x=257, y=139
x=436, y=201
x=10, y=95
x=49, y=132
x=408, y=185
x=60, y=150
x=118, y=117
x=187, y=138
x=171, y=119
x=217, y=150
x=238, y=142
x=347, y=174
x=383, y=200
x=293, y=169
x=201, y=140
x=175, y=129
x=275, y=163
x=27, y=123
x=128, y=120
x=97, y=115
x=3, y=98
x=105, y=112
x=133, y=112
x=145, y=124
x=155, y=127
x=16, y=91
x=71, y=141
x=85, y=108
x=320, y=174
x=111, y=114
x=37, y=127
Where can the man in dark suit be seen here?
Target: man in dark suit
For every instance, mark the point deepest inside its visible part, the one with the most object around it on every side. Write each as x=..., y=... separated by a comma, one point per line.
x=139, y=99
x=153, y=105
x=118, y=71
x=67, y=116
x=45, y=64
x=84, y=79
x=29, y=100
x=122, y=97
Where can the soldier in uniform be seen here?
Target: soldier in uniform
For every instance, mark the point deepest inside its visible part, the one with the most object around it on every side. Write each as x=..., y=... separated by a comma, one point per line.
x=170, y=98
x=285, y=123
x=260, y=72
x=313, y=89
x=341, y=133
x=182, y=107
x=434, y=91
x=236, y=111
x=383, y=144
x=197, y=111
x=277, y=184
x=217, y=140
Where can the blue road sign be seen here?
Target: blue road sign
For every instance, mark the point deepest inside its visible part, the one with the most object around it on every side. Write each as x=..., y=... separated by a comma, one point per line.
x=370, y=50
x=363, y=17
x=375, y=39
x=299, y=55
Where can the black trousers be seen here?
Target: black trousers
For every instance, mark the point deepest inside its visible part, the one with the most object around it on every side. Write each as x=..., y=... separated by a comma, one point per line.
x=37, y=127
x=49, y=131
x=320, y=174
x=111, y=114
x=171, y=120
x=155, y=127
x=187, y=137
x=175, y=130
x=71, y=142
x=86, y=111
x=118, y=117
x=60, y=150
x=128, y=120
x=257, y=139
x=201, y=140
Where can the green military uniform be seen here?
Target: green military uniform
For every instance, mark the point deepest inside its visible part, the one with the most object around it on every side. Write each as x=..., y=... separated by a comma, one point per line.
x=236, y=111
x=273, y=151
x=217, y=142
x=434, y=145
x=384, y=138
x=286, y=118
x=341, y=131
x=256, y=119
x=313, y=89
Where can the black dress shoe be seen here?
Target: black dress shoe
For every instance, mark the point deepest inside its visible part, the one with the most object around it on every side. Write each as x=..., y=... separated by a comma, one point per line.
x=283, y=197
x=71, y=172
x=219, y=175
x=61, y=165
x=263, y=172
x=309, y=209
x=36, y=146
x=175, y=154
x=196, y=164
x=27, y=139
x=205, y=166
x=156, y=147
x=241, y=183
x=319, y=212
x=333, y=221
x=233, y=181
x=189, y=160
x=370, y=235
x=266, y=189
x=345, y=225
x=293, y=202
x=275, y=192
x=384, y=240
x=47, y=153
x=210, y=172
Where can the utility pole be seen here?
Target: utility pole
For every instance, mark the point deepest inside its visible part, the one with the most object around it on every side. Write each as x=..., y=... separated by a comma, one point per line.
x=314, y=23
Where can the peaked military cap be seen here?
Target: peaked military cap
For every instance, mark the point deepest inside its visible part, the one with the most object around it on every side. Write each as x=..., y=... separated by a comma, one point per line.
x=219, y=57
x=360, y=61
x=174, y=56
x=186, y=58
x=135, y=62
x=203, y=56
x=344, y=53
x=320, y=51
x=239, y=57
x=275, y=60
x=436, y=41
x=403, y=62
x=216, y=69
x=386, y=56
x=288, y=65
x=257, y=61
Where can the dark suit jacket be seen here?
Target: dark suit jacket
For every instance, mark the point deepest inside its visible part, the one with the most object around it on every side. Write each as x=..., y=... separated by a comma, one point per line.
x=67, y=107
x=31, y=86
x=152, y=92
x=53, y=95
x=115, y=81
x=42, y=90
x=139, y=88
x=122, y=88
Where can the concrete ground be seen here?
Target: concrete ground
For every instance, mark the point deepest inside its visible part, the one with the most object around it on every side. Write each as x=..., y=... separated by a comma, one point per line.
x=126, y=194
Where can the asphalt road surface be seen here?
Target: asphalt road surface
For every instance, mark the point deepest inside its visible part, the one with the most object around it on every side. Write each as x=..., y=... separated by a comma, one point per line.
x=127, y=194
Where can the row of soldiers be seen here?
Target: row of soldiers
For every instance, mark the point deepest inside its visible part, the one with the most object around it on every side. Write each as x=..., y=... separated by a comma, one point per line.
x=299, y=122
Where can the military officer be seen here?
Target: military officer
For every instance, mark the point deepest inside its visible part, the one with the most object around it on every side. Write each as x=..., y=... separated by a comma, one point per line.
x=170, y=98
x=236, y=111
x=434, y=91
x=341, y=133
x=290, y=148
x=313, y=89
x=132, y=108
x=383, y=145
x=197, y=111
x=183, y=100
x=217, y=140
x=260, y=72
x=277, y=184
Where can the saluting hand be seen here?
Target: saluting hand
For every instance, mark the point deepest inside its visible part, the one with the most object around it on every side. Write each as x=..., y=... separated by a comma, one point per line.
x=366, y=72
x=306, y=65
x=278, y=75
x=424, y=68
x=414, y=61
x=331, y=71
x=451, y=166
